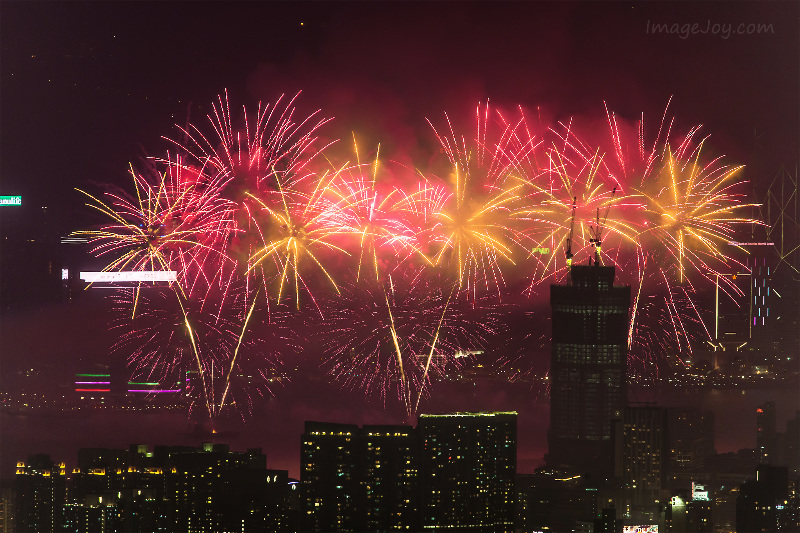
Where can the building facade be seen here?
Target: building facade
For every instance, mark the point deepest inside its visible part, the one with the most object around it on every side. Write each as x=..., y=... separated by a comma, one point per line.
x=588, y=368
x=453, y=471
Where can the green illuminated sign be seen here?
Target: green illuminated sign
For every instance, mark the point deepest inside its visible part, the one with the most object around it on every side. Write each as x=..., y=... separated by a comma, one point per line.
x=10, y=200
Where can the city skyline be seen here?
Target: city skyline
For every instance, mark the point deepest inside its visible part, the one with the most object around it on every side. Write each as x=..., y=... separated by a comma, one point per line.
x=85, y=94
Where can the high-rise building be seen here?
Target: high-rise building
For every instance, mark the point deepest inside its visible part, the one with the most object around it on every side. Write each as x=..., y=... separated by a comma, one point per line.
x=96, y=489
x=199, y=481
x=644, y=454
x=360, y=479
x=328, y=476
x=388, y=474
x=468, y=464
x=691, y=440
x=41, y=494
x=588, y=367
x=174, y=488
x=453, y=471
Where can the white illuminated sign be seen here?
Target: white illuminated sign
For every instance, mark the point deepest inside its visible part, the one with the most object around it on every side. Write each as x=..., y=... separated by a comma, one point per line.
x=64, y=273
x=142, y=275
x=699, y=492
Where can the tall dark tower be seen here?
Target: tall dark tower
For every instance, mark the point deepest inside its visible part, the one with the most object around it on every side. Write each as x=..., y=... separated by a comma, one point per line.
x=588, y=367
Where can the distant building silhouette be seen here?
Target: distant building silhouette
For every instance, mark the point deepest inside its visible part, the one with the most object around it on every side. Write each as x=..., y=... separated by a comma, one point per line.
x=766, y=432
x=174, y=488
x=691, y=440
x=765, y=503
x=555, y=500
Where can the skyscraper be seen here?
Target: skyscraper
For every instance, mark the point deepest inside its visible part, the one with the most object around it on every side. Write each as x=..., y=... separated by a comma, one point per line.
x=588, y=367
x=468, y=462
x=328, y=476
x=644, y=460
x=388, y=474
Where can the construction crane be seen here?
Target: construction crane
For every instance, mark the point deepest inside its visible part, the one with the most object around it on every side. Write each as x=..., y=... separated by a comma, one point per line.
x=597, y=231
x=568, y=250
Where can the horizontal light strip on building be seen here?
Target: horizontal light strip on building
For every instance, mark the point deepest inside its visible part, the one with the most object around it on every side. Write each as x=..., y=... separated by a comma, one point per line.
x=155, y=390
x=142, y=275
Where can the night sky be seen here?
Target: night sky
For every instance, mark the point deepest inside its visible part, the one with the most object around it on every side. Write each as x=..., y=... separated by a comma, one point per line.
x=87, y=87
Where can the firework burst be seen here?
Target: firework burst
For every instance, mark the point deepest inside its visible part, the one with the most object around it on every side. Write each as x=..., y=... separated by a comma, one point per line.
x=474, y=226
x=689, y=207
x=296, y=236
x=373, y=215
x=169, y=223
x=271, y=148
x=403, y=270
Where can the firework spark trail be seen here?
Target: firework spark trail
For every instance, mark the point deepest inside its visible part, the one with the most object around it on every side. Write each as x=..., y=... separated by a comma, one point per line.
x=686, y=207
x=641, y=263
x=216, y=343
x=390, y=338
x=432, y=351
x=693, y=214
x=404, y=387
x=200, y=368
x=174, y=222
x=236, y=351
x=689, y=207
x=164, y=320
x=573, y=187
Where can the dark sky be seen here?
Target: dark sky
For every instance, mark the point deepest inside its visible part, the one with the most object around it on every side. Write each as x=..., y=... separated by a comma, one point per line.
x=89, y=86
